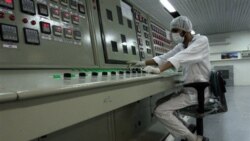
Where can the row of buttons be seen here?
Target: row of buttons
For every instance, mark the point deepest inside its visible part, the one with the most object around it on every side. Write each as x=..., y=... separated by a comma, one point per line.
x=84, y=74
x=58, y=31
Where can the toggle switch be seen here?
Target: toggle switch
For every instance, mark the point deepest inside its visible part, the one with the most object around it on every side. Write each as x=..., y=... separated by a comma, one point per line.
x=67, y=75
x=104, y=73
x=94, y=74
x=82, y=74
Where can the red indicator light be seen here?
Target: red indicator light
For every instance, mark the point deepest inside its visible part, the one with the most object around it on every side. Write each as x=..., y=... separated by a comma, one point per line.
x=46, y=25
x=25, y=20
x=33, y=22
x=12, y=17
x=8, y=1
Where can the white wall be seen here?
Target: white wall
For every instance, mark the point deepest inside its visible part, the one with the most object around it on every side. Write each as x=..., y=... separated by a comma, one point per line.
x=237, y=41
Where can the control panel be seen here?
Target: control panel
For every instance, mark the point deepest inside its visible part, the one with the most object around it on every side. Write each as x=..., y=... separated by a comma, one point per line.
x=160, y=42
x=143, y=34
x=44, y=33
x=118, y=31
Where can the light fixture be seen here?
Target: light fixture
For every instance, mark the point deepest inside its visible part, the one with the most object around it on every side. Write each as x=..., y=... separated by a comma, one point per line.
x=192, y=32
x=168, y=6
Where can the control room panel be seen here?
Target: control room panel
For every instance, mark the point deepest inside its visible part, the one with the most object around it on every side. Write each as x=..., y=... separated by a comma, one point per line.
x=45, y=33
x=58, y=33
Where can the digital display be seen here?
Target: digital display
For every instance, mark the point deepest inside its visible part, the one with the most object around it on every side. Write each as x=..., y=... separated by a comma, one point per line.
x=73, y=4
x=55, y=12
x=31, y=36
x=65, y=16
x=68, y=33
x=57, y=30
x=43, y=9
x=45, y=27
x=7, y=3
x=28, y=6
x=9, y=33
x=81, y=8
x=75, y=19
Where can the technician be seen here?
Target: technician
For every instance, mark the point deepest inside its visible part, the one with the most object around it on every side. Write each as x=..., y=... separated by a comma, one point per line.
x=192, y=53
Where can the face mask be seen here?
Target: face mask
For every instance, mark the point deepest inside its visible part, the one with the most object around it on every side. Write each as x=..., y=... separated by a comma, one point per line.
x=177, y=38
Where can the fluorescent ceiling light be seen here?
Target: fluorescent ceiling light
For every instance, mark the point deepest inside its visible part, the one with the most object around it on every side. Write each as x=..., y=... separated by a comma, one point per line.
x=168, y=6
x=192, y=32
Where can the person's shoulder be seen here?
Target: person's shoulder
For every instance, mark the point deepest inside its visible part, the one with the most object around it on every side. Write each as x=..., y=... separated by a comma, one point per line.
x=199, y=37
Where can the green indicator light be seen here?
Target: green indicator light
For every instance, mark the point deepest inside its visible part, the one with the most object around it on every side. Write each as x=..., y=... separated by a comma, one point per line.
x=56, y=76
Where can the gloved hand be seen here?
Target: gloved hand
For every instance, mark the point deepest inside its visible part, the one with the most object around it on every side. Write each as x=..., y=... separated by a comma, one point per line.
x=151, y=69
x=137, y=63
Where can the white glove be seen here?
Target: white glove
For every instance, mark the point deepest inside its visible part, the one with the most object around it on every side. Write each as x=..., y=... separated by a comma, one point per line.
x=137, y=63
x=150, y=69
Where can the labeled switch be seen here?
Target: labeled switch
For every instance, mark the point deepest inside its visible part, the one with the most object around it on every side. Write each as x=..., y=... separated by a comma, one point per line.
x=55, y=12
x=42, y=9
x=45, y=27
x=68, y=33
x=73, y=4
x=77, y=35
x=57, y=30
x=75, y=19
x=65, y=16
x=64, y=2
x=9, y=33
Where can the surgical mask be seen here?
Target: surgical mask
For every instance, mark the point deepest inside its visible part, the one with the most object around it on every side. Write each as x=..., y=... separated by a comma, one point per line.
x=177, y=38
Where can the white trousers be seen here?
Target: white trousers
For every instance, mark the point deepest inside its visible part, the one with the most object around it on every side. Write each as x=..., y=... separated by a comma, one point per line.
x=164, y=113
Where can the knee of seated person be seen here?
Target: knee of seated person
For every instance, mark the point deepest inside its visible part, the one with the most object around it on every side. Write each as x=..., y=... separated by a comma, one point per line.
x=160, y=111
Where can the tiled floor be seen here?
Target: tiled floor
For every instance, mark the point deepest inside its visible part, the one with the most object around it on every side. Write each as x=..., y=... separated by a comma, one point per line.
x=235, y=124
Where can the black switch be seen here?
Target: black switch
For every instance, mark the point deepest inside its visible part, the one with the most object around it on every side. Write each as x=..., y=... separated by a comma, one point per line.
x=82, y=74
x=121, y=72
x=94, y=73
x=67, y=75
x=127, y=72
x=133, y=71
x=104, y=73
x=113, y=73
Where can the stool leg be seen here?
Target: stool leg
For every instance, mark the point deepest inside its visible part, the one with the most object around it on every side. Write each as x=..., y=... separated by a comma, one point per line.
x=199, y=126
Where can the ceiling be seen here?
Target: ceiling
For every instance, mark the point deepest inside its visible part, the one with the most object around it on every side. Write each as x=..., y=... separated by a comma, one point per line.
x=207, y=16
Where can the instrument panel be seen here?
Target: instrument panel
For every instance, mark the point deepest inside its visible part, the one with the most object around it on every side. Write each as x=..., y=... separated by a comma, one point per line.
x=45, y=33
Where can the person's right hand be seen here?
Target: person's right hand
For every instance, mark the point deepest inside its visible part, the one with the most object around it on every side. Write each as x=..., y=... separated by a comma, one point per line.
x=137, y=63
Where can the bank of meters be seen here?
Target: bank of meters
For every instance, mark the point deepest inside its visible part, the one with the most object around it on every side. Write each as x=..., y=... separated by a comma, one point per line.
x=60, y=18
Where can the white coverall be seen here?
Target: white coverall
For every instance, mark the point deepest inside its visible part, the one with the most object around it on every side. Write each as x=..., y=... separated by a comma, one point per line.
x=196, y=67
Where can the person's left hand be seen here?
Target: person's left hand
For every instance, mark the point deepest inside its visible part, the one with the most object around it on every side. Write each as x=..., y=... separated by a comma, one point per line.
x=151, y=69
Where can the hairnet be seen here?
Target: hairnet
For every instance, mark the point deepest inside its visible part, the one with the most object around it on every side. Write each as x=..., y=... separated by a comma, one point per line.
x=181, y=22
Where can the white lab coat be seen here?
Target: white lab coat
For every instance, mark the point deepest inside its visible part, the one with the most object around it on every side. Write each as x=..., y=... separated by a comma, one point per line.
x=196, y=68
x=194, y=59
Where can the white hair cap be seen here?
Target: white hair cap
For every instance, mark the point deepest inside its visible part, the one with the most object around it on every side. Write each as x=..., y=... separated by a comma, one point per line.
x=181, y=22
